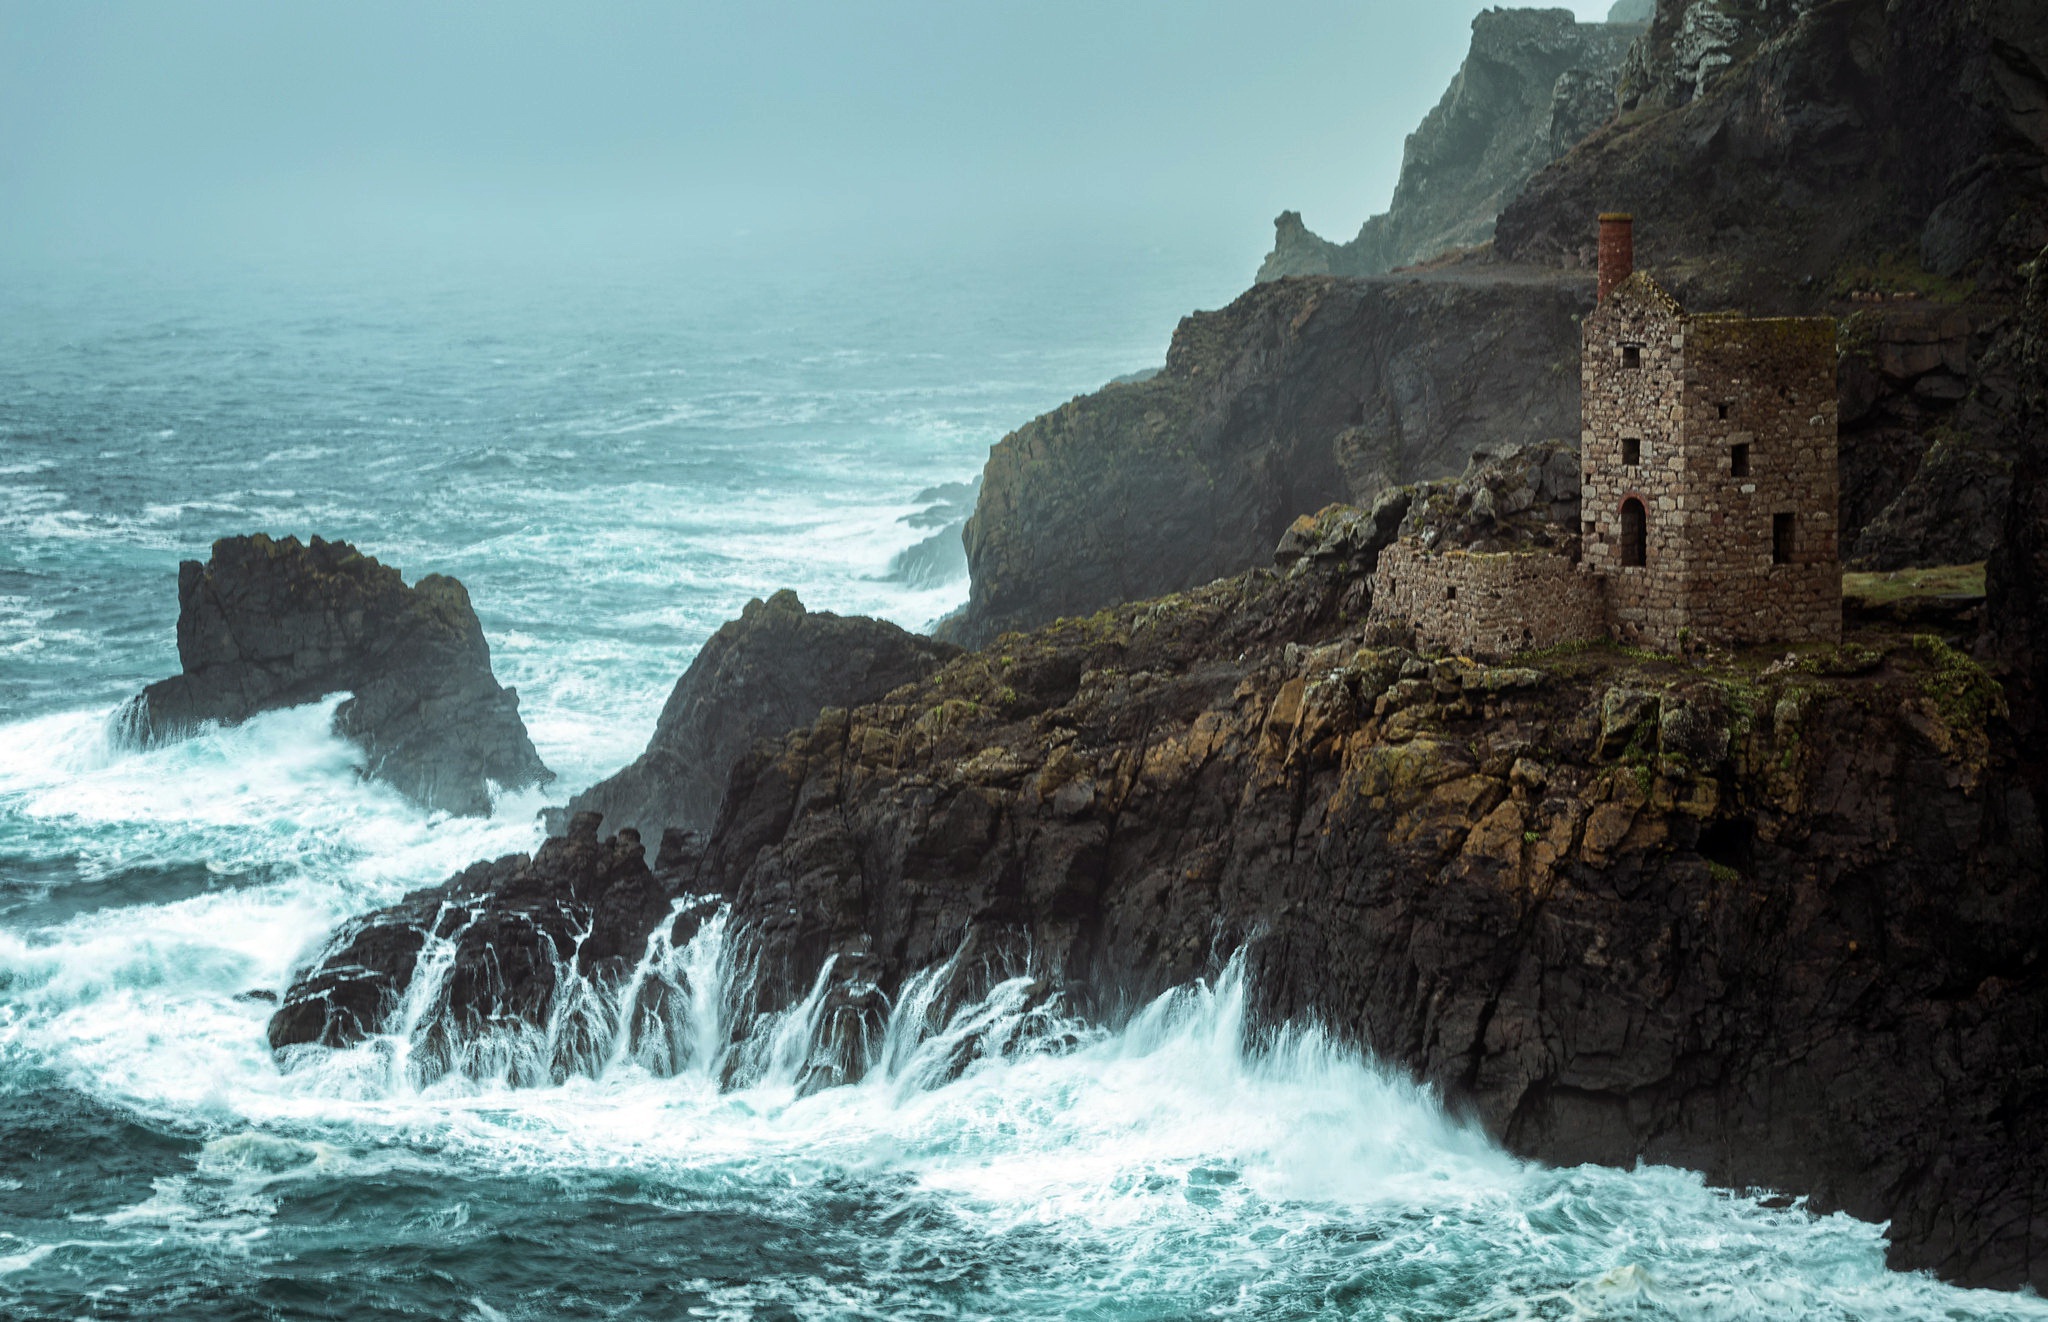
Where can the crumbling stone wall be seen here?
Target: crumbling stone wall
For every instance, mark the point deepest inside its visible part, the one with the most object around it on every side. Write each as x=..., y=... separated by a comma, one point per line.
x=1486, y=605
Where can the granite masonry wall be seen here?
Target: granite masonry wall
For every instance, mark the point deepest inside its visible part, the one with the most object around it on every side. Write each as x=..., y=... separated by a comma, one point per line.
x=1721, y=430
x=1762, y=557
x=1487, y=606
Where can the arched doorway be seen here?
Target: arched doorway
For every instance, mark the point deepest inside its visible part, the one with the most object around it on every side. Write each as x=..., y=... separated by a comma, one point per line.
x=1635, y=533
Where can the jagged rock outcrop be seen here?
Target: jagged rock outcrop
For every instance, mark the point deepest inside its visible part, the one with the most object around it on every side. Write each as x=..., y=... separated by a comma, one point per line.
x=761, y=675
x=266, y=624
x=1775, y=154
x=1300, y=393
x=530, y=945
x=1783, y=923
x=1534, y=83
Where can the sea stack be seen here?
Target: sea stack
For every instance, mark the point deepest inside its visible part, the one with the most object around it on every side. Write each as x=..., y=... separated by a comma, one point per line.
x=269, y=623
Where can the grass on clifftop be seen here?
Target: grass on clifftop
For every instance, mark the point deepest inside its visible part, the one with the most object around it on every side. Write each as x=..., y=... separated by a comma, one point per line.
x=1900, y=584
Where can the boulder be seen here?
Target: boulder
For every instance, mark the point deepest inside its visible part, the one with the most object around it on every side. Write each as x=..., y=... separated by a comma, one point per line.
x=271, y=623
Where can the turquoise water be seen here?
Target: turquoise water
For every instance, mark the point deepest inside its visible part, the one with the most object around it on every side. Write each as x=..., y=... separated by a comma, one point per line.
x=614, y=457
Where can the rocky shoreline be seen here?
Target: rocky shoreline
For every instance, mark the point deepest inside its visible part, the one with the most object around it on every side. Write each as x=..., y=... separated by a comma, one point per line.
x=1778, y=915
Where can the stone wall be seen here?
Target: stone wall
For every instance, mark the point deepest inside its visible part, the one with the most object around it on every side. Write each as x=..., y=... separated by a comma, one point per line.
x=1767, y=385
x=1486, y=605
x=1635, y=398
x=1720, y=426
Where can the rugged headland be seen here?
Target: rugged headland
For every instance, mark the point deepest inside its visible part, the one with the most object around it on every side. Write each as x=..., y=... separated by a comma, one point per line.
x=1300, y=393
x=1778, y=914
x=270, y=623
x=1884, y=163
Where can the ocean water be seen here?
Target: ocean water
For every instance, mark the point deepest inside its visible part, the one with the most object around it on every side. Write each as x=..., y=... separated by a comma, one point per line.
x=614, y=456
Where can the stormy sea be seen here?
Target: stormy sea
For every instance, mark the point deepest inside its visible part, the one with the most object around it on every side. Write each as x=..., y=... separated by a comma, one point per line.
x=614, y=456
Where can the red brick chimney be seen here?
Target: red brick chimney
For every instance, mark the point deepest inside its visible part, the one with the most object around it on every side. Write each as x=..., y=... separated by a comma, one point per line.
x=1617, y=249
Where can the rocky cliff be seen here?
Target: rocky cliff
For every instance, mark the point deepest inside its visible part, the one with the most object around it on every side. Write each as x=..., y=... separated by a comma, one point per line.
x=1776, y=916
x=1775, y=154
x=1534, y=83
x=1300, y=393
x=766, y=673
x=2017, y=575
x=266, y=624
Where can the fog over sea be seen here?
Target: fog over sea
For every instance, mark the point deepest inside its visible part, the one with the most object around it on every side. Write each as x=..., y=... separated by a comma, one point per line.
x=614, y=455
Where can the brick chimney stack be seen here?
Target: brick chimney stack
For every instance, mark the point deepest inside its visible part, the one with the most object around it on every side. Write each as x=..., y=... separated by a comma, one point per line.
x=1617, y=249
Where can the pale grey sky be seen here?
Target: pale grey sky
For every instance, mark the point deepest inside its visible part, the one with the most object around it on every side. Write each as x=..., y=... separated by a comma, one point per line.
x=224, y=121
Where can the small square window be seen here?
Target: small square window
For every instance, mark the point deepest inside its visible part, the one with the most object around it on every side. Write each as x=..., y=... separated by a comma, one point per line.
x=1738, y=460
x=1722, y=410
x=1450, y=594
x=1631, y=451
x=1631, y=355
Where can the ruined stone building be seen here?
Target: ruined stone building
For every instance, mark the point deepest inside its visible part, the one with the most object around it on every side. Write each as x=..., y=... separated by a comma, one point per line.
x=1708, y=503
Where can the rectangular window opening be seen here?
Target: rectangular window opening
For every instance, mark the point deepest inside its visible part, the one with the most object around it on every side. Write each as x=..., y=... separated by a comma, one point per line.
x=1632, y=355
x=1631, y=451
x=1723, y=409
x=1450, y=594
x=1738, y=460
x=1784, y=535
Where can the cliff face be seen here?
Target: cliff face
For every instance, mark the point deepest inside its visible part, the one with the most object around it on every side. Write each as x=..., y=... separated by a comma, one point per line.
x=1534, y=83
x=1300, y=393
x=1776, y=153
x=768, y=672
x=2017, y=575
x=1886, y=162
x=267, y=624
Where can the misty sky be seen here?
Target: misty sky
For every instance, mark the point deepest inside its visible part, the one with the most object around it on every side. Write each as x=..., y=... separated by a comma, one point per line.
x=232, y=122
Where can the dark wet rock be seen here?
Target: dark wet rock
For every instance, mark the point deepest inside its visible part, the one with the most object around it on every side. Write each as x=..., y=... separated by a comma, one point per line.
x=1299, y=394
x=1534, y=83
x=771, y=670
x=267, y=624
x=581, y=908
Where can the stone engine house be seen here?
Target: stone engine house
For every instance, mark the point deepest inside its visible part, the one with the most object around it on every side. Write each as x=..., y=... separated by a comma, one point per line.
x=1708, y=492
